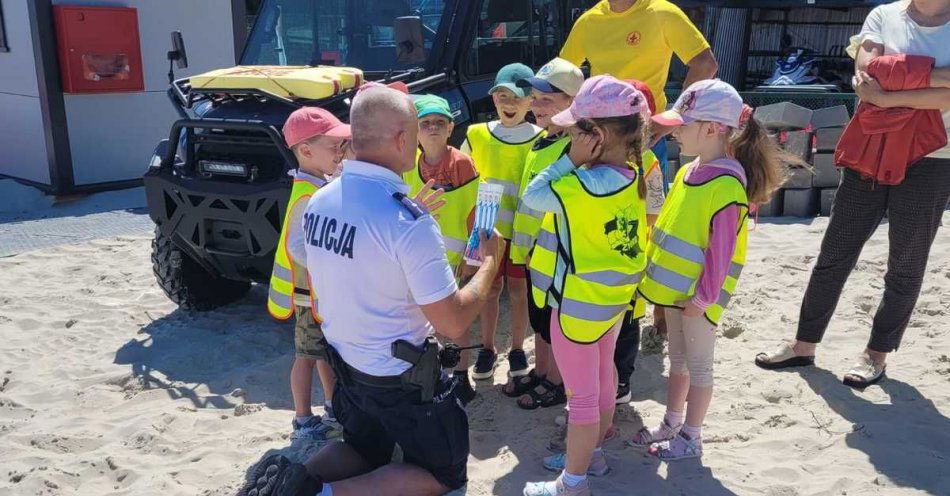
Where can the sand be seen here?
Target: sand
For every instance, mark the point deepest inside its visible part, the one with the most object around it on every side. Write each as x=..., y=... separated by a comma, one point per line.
x=107, y=388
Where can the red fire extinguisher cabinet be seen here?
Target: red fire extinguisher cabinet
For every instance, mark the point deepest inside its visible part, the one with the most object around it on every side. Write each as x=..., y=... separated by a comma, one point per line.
x=99, y=50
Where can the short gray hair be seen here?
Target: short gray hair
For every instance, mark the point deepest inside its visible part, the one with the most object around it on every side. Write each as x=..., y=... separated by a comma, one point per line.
x=377, y=114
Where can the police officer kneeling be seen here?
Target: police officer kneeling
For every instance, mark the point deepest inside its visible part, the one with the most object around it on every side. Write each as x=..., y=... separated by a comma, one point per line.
x=377, y=262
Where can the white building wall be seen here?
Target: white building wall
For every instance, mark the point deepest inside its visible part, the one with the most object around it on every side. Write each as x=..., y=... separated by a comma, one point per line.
x=112, y=135
x=22, y=141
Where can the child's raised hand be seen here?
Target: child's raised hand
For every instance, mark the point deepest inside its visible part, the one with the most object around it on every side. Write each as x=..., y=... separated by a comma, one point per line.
x=585, y=147
x=431, y=200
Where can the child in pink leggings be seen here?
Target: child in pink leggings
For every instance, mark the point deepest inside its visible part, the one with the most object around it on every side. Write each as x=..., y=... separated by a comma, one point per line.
x=587, y=261
x=590, y=377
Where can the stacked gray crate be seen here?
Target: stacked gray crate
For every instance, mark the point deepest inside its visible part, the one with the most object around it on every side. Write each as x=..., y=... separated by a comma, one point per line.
x=827, y=200
x=793, y=120
x=812, y=137
x=828, y=124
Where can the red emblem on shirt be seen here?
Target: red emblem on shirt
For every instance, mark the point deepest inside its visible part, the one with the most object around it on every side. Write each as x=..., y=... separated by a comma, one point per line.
x=633, y=38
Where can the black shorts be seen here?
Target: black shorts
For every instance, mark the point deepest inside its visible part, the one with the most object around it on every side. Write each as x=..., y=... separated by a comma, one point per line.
x=540, y=318
x=433, y=436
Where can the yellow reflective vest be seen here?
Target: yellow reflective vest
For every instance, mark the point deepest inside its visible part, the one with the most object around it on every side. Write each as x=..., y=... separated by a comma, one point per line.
x=677, y=247
x=528, y=220
x=607, y=236
x=500, y=163
x=289, y=282
x=453, y=216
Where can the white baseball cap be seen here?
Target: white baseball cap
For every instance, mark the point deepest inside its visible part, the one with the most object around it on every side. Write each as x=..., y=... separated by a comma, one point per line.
x=708, y=100
x=556, y=76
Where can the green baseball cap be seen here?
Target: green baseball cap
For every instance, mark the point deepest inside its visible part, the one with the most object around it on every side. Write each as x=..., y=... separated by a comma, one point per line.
x=508, y=77
x=432, y=104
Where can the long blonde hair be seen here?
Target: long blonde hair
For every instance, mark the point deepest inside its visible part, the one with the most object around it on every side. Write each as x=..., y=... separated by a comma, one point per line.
x=631, y=128
x=764, y=162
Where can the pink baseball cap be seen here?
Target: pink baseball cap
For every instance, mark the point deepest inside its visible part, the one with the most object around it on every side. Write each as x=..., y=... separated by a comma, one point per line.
x=307, y=122
x=709, y=100
x=603, y=96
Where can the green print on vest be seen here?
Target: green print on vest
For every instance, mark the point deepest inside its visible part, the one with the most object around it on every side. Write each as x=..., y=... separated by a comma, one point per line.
x=622, y=233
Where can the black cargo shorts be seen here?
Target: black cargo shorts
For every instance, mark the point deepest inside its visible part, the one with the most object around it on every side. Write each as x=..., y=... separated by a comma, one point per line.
x=433, y=436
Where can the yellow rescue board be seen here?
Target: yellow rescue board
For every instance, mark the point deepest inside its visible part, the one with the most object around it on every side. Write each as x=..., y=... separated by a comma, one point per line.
x=284, y=81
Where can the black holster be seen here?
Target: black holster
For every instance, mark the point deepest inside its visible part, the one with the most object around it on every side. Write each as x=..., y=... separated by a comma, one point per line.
x=423, y=376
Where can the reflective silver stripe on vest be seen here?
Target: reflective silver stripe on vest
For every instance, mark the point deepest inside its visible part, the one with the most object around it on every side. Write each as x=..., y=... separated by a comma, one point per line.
x=505, y=215
x=454, y=245
x=724, y=297
x=678, y=247
x=522, y=239
x=611, y=277
x=526, y=210
x=735, y=270
x=668, y=278
x=283, y=273
x=590, y=311
x=540, y=281
x=547, y=240
x=511, y=189
x=301, y=300
x=280, y=300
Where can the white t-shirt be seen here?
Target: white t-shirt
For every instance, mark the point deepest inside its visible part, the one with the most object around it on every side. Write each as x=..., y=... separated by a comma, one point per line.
x=521, y=133
x=372, y=263
x=891, y=26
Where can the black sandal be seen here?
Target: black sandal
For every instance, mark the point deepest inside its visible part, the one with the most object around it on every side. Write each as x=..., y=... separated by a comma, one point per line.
x=521, y=384
x=553, y=395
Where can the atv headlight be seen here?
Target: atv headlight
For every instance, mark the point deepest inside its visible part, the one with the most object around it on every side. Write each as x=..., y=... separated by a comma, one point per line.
x=225, y=168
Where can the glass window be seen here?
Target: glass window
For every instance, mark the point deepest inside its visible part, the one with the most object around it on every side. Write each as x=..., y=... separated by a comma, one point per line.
x=511, y=31
x=356, y=33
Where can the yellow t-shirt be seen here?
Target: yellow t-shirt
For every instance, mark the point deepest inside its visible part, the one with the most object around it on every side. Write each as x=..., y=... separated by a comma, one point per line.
x=638, y=43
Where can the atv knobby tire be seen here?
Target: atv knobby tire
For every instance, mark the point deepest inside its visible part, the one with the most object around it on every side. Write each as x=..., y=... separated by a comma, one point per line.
x=188, y=284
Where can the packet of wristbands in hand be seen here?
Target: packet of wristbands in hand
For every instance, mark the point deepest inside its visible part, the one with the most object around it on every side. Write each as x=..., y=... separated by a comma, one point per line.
x=486, y=212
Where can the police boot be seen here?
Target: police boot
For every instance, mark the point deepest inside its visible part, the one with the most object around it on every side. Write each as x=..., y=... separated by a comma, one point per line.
x=276, y=475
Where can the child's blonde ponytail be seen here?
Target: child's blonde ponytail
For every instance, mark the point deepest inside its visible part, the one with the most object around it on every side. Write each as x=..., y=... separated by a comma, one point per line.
x=764, y=162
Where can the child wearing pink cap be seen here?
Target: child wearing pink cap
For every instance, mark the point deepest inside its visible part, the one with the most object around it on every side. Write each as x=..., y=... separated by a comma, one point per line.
x=317, y=140
x=697, y=250
x=586, y=262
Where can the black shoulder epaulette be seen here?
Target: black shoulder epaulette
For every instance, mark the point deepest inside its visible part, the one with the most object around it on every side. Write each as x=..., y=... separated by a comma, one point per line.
x=415, y=208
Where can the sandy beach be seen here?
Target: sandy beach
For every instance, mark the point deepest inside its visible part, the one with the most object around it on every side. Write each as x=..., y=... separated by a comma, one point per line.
x=107, y=388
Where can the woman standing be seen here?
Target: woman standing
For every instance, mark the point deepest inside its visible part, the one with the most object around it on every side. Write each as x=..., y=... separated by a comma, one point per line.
x=914, y=207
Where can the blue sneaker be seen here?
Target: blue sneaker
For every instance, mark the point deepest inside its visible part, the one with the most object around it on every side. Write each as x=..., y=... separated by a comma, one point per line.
x=598, y=463
x=314, y=429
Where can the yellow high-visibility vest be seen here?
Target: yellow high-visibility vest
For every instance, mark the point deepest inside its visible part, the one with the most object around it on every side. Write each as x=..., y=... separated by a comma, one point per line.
x=528, y=220
x=607, y=236
x=677, y=247
x=289, y=282
x=501, y=163
x=453, y=216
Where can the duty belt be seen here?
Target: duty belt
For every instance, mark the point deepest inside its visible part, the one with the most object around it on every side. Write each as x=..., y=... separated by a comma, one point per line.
x=385, y=381
x=347, y=373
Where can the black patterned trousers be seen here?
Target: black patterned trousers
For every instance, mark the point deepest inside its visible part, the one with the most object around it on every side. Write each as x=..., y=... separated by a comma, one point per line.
x=914, y=211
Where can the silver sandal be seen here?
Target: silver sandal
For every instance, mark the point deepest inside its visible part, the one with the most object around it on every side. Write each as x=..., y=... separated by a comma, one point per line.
x=783, y=358
x=867, y=371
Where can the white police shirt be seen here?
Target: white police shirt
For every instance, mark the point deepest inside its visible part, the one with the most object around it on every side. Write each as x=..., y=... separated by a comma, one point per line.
x=371, y=262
